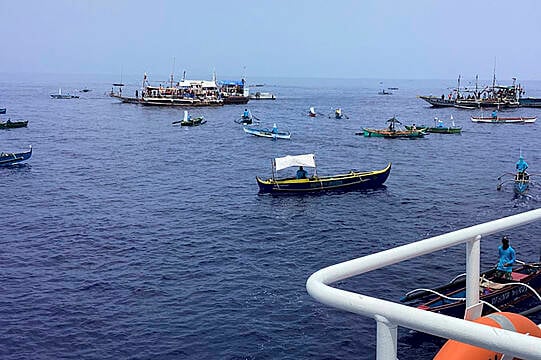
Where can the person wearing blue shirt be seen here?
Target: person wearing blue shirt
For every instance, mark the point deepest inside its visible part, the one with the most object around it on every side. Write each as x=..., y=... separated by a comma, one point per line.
x=521, y=164
x=507, y=259
x=246, y=114
x=274, y=129
x=494, y=114
x=301, y=173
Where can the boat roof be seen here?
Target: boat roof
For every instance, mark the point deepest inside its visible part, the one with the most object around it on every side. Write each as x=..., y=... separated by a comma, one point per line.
x=201, y=83
x=231, y=82
x=295, y=160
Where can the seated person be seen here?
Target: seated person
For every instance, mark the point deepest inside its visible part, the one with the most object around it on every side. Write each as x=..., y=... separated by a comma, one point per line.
x=301, y=173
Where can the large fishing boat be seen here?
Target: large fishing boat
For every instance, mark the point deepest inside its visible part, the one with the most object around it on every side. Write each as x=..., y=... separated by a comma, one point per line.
x=490, y=96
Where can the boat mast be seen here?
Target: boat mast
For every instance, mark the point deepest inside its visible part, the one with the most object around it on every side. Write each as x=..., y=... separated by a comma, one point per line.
x=494, y=77
x=173, y=73
x=458, y=87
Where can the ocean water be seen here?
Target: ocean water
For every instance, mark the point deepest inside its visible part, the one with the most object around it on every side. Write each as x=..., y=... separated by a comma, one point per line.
x=128, y=238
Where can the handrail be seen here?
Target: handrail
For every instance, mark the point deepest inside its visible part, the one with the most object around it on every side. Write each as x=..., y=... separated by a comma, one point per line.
x=389, y=314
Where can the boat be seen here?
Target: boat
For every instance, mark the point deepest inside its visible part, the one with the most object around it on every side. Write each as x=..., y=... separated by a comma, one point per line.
x=520, y=179
x=85, y=90
x=7, y=159
x=384, y=92
x=268, y=133
x=504, y=120
x=438, y=127
x=189, y=121
x=530, y=102
x=3, y=110
x=312, y=112
x=234, y=91
x=13, y=124
x=489, y=96
x=353, y=180
x=499, y=294
x=392, y=131
x=262, y=96
x=247, y=118
x=338, y=114
x=63, y=96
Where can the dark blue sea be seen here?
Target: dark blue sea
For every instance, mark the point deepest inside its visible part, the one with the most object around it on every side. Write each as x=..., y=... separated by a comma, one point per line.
x=125, y=237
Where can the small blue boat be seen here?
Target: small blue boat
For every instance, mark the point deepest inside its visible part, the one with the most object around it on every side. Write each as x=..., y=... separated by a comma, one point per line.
x=7, y=159
x=268, y=133
x=3, y=110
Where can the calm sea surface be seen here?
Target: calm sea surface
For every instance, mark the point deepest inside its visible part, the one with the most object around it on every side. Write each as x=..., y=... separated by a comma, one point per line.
x=128, y=238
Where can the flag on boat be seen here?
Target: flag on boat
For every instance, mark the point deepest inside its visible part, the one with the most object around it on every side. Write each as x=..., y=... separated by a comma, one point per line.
x=295, y=160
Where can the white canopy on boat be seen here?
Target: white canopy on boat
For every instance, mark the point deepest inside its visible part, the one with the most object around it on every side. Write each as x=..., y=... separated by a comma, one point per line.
x=295, y=160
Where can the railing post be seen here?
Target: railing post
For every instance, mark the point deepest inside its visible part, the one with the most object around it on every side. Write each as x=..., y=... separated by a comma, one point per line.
x=473, y=255
x=387, y=335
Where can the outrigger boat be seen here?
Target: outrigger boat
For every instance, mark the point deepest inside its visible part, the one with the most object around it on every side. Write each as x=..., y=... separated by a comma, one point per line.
x=518, y=294
x=504, y=120
x=392, y=132
x=63, y=96
x=7, y=159
x=521, y=179
x=189, y=121
x=438, y=128
x=268, y=133
x=353, y=180
x=13, y=124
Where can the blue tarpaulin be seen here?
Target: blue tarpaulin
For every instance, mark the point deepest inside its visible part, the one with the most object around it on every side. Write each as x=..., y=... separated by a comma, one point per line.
x=230, y=82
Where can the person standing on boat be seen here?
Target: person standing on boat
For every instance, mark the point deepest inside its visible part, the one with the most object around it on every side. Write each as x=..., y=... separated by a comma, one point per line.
x=494, y=114
x=521, y=165
x=507, y=259
x=274, y=129
x=246, y=114
x=301, y=173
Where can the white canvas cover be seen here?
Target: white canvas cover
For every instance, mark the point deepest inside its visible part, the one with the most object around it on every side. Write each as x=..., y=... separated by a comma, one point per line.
x=295, y=160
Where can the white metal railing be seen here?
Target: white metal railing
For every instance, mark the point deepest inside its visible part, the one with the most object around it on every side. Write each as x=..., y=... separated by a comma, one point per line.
x=389, y=315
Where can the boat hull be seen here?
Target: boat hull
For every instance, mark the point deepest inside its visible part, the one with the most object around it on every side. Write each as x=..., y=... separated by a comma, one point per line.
x=267, y=133
x=438, y=101
x=438, y=130
x=13, y=124
x=235, y=99
x=514, y=298
x=530, y=102
x=7, y=159
x=193, y=122
x=384, y=133
x=354, y=180
x=504, y=120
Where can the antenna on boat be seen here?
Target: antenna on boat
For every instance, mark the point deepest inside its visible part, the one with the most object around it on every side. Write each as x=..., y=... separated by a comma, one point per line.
x=494, y=76
x=173, y=72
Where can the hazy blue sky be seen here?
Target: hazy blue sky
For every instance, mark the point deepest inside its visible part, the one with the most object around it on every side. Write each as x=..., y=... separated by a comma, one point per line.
x=279, y=38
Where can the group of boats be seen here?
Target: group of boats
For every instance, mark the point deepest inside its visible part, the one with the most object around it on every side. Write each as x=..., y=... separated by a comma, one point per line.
x=13, y=158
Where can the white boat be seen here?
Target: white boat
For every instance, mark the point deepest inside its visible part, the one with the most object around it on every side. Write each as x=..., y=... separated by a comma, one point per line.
x=262, y=96
x=504, y=120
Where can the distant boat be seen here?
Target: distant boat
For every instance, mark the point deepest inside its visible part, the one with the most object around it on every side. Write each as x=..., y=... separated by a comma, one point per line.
x=504, y=120
x=393, y=88
x=85, y=90
x=189, y=121
x=530, y=102
x=3, y=110
x=7, y=159
x=384, y=92
x=63, y=96
x=13, y=124
x=262, y=96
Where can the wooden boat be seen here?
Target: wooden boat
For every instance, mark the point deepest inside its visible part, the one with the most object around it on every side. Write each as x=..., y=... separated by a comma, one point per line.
x=504, y=120
x=7, y=159
x=233, y=91
x=520, y=181
x=189, y=121
x=13, y=124
x=3, y=110
x=353, y=180
x=530, y=102
x=384, y=92
x=338, y=114
x=268, y=133
x=502, y=294
x=63, y=96
x=392, y=131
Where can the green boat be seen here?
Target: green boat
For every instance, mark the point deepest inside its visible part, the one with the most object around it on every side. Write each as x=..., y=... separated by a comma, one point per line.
x=392, y=131
x=438, y=130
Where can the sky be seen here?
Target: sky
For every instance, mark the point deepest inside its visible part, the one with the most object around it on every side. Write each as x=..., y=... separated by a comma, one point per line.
x=379, y=39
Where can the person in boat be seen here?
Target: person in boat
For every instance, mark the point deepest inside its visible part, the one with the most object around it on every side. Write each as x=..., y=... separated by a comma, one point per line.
x=246, y=114
x=338, y=113
x=274, y=129
x=413, y=128
x=494, y=114
x=521, y=165
x=312, y=112
x=301, y=173
x=507, y=259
